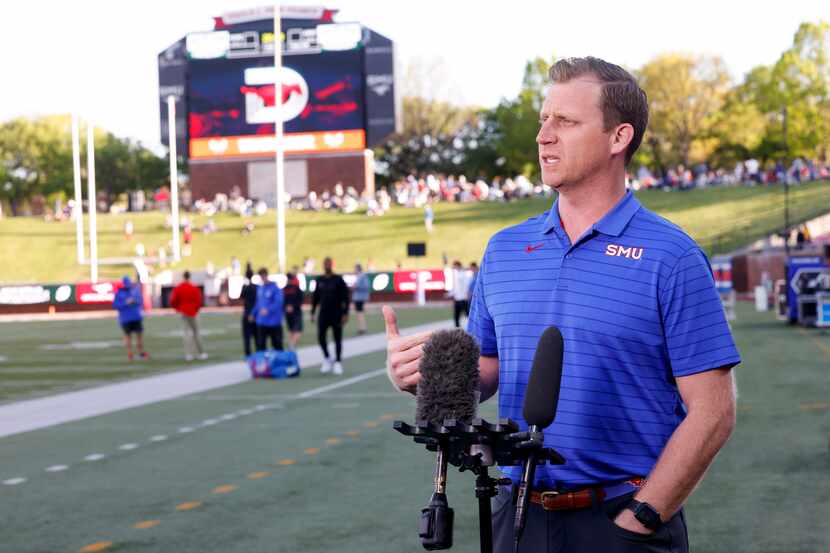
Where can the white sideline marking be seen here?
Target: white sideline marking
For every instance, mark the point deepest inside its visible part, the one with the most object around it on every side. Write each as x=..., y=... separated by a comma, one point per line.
x=158, y=438
x=83, y=345
x=127, y=447
x=228, y=417
x=347, y=382
x=245, y=412
x=3, y=358
x=56, y=468
x=94, y=457
x=13, y=481
x=34, y=414
x=185, y=430
x=209, y=422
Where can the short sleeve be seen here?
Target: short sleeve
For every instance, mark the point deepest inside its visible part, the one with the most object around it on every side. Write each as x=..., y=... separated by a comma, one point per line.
x=697, y=334
x=480, y=324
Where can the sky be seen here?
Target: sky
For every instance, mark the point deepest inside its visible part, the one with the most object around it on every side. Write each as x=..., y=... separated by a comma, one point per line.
x=99, y=58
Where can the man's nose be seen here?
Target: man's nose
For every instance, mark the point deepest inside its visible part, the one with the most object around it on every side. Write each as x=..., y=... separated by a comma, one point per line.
x=546, y=134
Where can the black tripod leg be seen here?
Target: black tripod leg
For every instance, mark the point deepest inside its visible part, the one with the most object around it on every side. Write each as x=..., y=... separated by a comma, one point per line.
x=485, y=489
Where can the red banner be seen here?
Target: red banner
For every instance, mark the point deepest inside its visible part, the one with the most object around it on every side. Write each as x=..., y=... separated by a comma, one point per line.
x=405, y=281
x=99, y=293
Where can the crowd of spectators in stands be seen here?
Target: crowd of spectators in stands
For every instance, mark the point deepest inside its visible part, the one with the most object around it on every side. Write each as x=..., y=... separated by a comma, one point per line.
x=749, y=172
x=425, y=190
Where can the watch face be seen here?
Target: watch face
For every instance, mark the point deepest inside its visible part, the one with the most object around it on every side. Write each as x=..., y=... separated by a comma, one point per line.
x=648, y=516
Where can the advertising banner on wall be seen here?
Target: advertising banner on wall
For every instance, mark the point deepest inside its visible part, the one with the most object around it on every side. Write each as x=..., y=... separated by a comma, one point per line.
x=35, y=294
x=100, y=293
x=406, y=281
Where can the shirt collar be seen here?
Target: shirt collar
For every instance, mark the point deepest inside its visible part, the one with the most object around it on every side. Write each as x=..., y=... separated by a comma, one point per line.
x=612, y=223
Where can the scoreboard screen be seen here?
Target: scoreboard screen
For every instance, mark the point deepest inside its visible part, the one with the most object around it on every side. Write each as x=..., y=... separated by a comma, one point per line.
x=235, y=97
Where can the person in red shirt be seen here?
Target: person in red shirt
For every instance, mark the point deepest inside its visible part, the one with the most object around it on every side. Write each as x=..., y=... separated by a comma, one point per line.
x=187, y=300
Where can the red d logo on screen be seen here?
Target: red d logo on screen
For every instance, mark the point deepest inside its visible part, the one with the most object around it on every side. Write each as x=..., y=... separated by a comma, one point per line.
x=259, y=94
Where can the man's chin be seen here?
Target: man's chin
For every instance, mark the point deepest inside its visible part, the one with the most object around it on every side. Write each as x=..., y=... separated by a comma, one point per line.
x=553, y=182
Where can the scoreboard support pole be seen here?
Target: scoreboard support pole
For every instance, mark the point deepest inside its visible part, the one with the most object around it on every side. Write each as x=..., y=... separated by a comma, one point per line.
x=174, y=176
x=278, y=135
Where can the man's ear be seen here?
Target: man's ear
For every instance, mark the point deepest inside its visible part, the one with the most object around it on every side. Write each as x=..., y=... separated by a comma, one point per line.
x=621, y=137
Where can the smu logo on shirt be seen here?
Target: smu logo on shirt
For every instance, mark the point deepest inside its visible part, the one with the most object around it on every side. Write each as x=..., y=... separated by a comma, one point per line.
x=631, y=252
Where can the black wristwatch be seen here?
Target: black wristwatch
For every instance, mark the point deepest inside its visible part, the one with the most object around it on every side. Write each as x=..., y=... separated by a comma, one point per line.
x=646, y=514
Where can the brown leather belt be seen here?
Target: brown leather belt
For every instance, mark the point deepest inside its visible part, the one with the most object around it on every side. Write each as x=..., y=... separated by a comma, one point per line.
x=579, y=499
x=566, y=501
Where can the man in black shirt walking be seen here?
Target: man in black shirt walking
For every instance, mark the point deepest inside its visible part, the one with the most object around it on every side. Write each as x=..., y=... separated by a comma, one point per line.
x=249, y=298
x=332, y=296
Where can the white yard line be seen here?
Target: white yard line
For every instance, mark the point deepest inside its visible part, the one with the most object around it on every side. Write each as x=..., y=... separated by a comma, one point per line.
x=25, y=416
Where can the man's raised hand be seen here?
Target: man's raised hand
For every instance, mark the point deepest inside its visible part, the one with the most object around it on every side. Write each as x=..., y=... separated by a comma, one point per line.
x=403, y=353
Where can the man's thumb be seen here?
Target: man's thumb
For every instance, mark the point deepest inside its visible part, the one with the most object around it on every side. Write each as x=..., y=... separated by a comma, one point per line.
x=391, y=322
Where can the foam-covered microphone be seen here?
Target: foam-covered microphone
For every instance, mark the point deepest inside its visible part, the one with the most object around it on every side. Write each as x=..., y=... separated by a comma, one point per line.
x=541, y=398
x=448, y=389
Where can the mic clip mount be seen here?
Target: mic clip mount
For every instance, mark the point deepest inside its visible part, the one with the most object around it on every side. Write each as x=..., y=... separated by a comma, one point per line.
x=475, y=447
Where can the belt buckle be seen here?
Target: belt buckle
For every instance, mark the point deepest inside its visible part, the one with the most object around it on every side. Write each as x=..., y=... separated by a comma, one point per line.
x=552, y=494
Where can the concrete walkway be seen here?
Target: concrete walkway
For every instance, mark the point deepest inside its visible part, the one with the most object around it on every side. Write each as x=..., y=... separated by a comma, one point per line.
x=25, y=416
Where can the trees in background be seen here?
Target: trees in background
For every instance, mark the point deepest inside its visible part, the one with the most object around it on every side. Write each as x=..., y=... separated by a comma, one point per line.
x=697, y=114
x=36, y=160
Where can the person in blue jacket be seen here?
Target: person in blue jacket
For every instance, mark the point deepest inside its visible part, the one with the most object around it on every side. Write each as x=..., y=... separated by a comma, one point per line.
x=268, y=312
x=129, y=304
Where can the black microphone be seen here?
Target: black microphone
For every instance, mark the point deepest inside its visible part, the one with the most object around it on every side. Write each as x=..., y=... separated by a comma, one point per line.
x=541, y=399
x=448, y=389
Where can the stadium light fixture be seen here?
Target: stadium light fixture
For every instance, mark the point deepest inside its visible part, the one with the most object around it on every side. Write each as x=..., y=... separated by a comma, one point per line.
x=208, y=45
x=339, y=36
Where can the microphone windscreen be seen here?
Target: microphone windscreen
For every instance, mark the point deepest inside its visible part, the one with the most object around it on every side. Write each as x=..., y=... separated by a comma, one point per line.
x=448, y=388
x=542, y=394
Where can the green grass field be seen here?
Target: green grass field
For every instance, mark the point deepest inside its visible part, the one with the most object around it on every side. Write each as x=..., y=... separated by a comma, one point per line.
x=720, y=219
x=40, y=358
x=326, y=473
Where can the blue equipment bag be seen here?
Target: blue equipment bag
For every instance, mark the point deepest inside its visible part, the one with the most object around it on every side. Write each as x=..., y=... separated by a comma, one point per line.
x=274, y=364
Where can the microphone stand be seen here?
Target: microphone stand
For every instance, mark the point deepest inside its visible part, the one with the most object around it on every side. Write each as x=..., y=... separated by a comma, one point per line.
x=475, y=447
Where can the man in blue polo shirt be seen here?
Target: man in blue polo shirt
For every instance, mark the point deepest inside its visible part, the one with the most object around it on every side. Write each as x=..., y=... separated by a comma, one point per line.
x=647, y=396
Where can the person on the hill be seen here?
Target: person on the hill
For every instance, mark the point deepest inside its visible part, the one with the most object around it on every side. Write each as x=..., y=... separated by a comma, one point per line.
x=129, y=304
x=186, y=299
x=332, y=296
x=360, y=295
x=268, y=313
x=248, y=296
x=293, y=297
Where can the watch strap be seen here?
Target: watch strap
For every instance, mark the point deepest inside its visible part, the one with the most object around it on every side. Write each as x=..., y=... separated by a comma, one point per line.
x=646, y=514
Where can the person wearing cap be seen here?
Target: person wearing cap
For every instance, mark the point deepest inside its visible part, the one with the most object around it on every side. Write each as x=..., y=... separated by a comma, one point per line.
x=129, y=303
x=187, y=299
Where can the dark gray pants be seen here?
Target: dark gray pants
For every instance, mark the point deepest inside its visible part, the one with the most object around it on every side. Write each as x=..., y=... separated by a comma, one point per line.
x=587, y=530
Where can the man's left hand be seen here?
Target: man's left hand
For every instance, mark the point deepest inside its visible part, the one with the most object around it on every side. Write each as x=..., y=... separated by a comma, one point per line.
x=625, y=519
x=345, y=320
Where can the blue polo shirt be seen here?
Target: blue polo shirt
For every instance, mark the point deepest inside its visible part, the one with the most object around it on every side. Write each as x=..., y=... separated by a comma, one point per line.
x=636, y=303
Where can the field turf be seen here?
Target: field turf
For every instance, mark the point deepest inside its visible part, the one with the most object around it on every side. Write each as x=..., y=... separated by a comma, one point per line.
x=279, y=472
x=720, y=219
x=47, y=357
